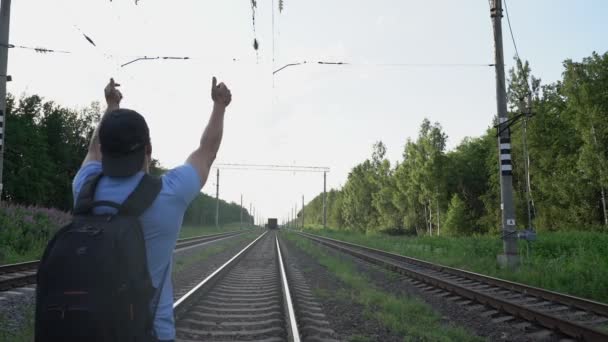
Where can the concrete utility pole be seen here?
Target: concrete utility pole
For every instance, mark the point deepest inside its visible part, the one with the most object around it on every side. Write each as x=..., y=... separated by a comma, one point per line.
x=5, y=16
x=217, y=200
x=510, y=257
x=324, y=199
x=241, y=211
x=250, y=211
x=302, y=211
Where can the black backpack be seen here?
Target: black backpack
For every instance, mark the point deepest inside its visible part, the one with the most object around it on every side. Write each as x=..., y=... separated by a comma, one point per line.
x=93, y=282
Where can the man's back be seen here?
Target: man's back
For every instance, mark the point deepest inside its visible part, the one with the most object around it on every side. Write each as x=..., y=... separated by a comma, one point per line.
x=161, y=224
x=121, y=147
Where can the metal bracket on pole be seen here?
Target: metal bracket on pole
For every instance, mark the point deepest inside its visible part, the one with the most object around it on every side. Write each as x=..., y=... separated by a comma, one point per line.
x=502, y=127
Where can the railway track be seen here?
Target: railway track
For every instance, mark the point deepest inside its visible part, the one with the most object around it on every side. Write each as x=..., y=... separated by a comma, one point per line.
x=560, y=316
x=23, y=274
x=246, y=299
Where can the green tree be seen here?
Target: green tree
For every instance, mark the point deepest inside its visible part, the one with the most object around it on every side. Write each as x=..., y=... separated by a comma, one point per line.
x=585, y=86
x=457, y=220
x=45, y=145
x=469, y=177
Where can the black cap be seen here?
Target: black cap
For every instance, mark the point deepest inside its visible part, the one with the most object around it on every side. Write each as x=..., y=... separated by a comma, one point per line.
x=123, y=136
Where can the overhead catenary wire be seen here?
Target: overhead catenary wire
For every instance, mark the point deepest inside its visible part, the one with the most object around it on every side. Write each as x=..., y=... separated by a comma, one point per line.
x=269, y=169
x=515, y=43
x=273, y=166
x=511, y=30
x=37, y=49
x=136, y=58
x=415, y=65
x=145, y=58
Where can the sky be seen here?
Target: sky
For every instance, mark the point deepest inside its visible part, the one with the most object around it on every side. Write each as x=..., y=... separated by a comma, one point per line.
x=311, y=114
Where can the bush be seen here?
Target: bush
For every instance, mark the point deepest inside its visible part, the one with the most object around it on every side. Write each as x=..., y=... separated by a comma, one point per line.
x=24, y=231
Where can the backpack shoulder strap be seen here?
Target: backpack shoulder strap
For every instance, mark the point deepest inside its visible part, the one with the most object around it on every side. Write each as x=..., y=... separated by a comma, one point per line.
x=142, y=197
x=86, y=196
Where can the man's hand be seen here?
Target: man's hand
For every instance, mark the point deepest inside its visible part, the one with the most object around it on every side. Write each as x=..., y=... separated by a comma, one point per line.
x=202, y=158
x=113, y=98
x=113, y=95
x=220, y=94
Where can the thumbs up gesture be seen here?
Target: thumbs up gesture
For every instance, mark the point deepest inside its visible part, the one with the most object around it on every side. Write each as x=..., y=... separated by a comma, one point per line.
x=220, y=94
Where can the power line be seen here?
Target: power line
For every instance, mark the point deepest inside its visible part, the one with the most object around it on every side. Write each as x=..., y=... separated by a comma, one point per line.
x=520, y=64
x=269, y=169
x=511, y=30
x=145, y=58
x=273, y=167
x=137, y=58
x=37, y=49
x=427, y=65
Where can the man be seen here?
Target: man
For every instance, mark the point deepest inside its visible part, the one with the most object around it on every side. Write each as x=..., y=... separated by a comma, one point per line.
x=120, y=149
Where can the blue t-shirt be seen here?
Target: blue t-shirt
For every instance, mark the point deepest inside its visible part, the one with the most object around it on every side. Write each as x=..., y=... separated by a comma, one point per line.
x=161, y=224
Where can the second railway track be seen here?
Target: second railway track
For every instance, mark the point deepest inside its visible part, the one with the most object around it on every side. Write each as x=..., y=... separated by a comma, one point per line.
x=557, y=314
x=24, y=274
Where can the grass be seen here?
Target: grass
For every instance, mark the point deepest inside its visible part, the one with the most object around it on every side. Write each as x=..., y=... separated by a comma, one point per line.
x=191, y=231
x=570, y=262
x=406, y=316
x=25, y=230
x=24, y=334
x=209, y=250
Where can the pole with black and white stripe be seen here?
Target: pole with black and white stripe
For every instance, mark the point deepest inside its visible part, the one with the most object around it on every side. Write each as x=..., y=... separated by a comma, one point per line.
x=509, y=258
x=5, y=16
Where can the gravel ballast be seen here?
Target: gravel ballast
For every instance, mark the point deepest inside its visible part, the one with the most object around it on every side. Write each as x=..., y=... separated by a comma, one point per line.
x=197, y=263
x=345, y=317
x=452, y=312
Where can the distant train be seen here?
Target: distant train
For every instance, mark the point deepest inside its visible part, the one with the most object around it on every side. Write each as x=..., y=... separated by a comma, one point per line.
x=272, y=223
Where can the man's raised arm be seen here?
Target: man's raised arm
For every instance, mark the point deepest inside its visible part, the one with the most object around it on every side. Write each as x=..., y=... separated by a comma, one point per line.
x=202, y=158
x=113, y=98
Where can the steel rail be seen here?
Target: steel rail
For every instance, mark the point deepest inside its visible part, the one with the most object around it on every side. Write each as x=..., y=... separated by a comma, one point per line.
x=293, y=325
x=181, y=243
x=32, y=266
x=22, y=266
x=546, y=320
x=182, y=304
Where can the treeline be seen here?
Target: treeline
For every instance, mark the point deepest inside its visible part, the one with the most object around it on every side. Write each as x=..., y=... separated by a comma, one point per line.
x=202, y=209
x=44, y=148
x=202, y=212
x=434, y=191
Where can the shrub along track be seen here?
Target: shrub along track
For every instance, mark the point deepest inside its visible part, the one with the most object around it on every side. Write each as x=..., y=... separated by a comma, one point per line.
x=24, y=274
x=543, y=314
x=247, y=299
